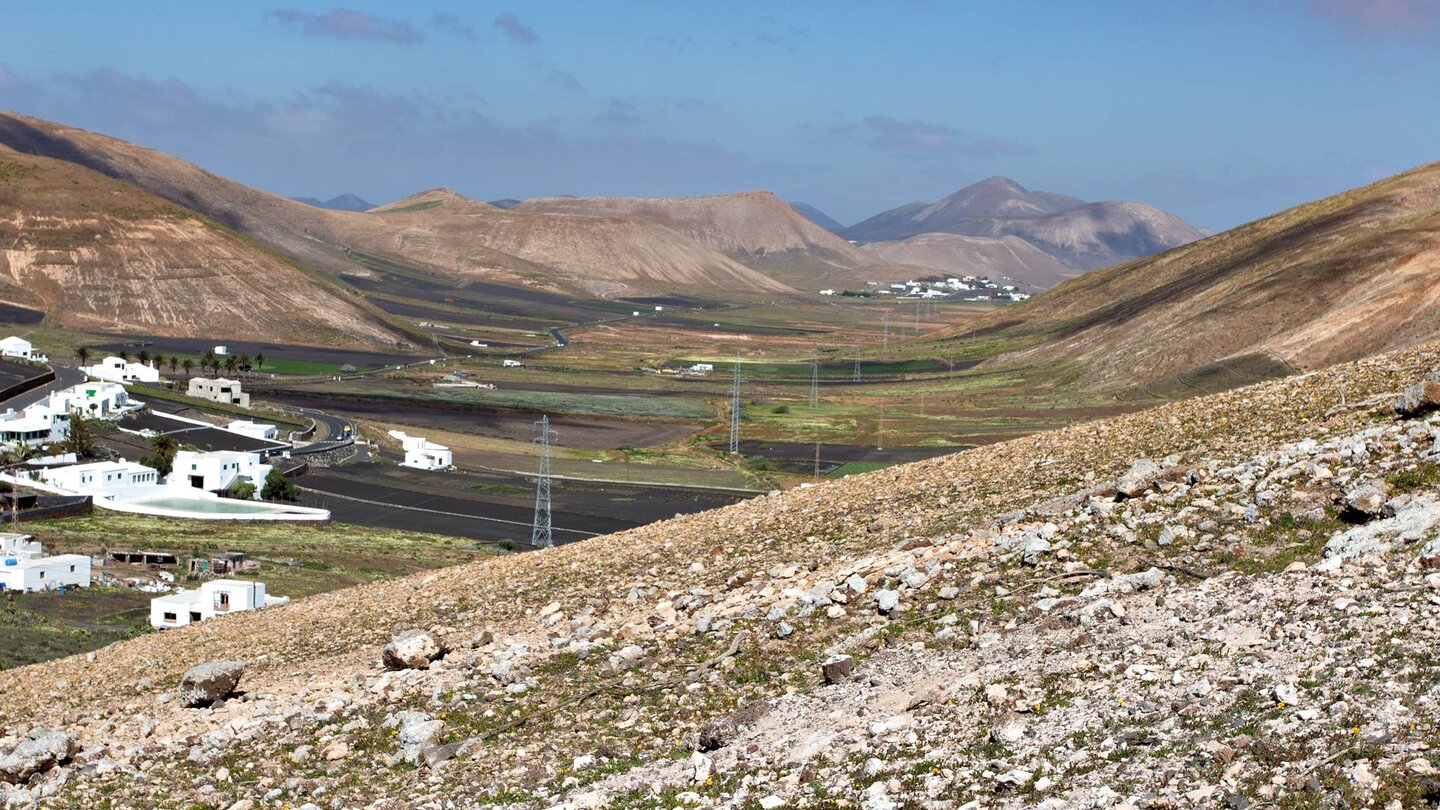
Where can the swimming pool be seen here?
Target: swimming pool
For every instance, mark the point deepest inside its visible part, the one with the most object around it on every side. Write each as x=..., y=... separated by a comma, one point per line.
x=216, y=506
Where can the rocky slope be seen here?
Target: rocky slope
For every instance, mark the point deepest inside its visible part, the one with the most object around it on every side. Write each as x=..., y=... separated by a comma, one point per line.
x=817, y=216
x=1221, y=602
x=991, y=198
x=563, y=253
x=97, y=254
x=1321, y=283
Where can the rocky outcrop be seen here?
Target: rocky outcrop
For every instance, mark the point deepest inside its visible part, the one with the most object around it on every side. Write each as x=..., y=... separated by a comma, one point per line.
x=411, y=649
x=205, y=684
x=41, y=750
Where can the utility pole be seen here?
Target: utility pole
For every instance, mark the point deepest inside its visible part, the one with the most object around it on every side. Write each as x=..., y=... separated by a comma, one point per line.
x=814, y=383
x=857, y=361
x=887, y=332
x=917, y=316
x=735, y=411
x=880, y=431
x=541, y=535
x=817, y=460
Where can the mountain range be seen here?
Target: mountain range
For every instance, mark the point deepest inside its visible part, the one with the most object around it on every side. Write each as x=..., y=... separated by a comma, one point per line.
x=344, y=202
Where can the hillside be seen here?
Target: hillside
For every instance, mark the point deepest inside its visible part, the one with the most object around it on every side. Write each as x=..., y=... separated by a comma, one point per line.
x=1159, y=609
x=97, y=254
x=755, y=228
x=1317, y=284
x=1093, y=235
x=1008, y=257
x=567, y=255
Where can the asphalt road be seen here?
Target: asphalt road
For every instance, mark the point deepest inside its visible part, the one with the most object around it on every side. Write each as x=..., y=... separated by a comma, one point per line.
x=338, y=431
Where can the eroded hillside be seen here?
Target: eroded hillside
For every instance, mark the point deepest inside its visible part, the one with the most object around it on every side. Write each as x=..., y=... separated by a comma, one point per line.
x=1224, y=601
x=96, y=254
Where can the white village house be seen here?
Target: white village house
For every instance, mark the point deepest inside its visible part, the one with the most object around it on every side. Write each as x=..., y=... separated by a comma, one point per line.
x=114, y=369
x=220, y=390
x=20, y=348
x=255, y=430
x=214, y=598
x=217, y=470
x=99, y=477
x=423, y=454
x=24, y=566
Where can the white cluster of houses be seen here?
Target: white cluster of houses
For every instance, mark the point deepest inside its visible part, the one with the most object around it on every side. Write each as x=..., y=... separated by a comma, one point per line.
x=48, y=421
x=423, y=454
x=950, y=287
x=25, y=567
x=217, y=597
x=210, y=471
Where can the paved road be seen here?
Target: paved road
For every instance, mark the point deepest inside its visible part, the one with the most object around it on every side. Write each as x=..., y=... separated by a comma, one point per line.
x=64, y=378
x=338, y=431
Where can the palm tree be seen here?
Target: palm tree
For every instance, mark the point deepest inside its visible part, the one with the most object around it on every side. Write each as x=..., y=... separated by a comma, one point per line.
x=144, y=357
x=243, y=362
x=187, y=364
x=206, y=360
x=231, y=363
x=124, y=356
x=174, y=363
x=259, y=361
x=82, y=353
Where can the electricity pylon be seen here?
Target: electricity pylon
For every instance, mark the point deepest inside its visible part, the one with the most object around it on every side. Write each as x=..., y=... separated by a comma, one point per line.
x=814, y=383
x=857, y=361
x=541, y=535
x=735, y=411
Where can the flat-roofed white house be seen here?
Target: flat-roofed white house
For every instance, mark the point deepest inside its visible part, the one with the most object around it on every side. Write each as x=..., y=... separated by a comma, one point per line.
x=214, y=598
x=255, y=430
x=422, y=453
x=45, y=573
x=34, y=426
x=48, y=421
x=219, y=390
x=100, y=477
x=23, y=546
x=97, y=400
x=217, y=470
x=20, y=348
x=114, y=369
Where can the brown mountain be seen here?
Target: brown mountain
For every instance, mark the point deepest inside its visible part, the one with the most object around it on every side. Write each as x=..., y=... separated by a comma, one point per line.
x=1324, y=282
x=460, y=237
x=1008, y=257
x=1084, y=236
x=98, y=254
x=755, y=228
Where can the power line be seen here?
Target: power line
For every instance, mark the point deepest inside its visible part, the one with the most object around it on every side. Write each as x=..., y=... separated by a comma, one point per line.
x=887, y=332
x=814, y=383
x=735, y=411
x=857, y=361
x=541, y=534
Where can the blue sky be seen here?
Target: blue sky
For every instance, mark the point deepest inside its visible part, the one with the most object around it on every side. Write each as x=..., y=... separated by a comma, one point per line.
x=1218, y=111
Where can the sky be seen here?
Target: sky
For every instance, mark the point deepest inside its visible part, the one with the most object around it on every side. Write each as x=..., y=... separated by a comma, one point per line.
x=1218, y=111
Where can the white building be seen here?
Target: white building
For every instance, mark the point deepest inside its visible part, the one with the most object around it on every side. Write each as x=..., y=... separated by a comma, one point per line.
x=114, y=369
x=255, y=430
x=20, y=347
x=423, y=454
x=48, y=421
x=44, y=573
x=220, y=390
x=220, y=350
x=701, y=368
x=512, y=364
x=827, y=292
x=21, y=546
x=100, y=477
x=218, y=470
x=214, y=598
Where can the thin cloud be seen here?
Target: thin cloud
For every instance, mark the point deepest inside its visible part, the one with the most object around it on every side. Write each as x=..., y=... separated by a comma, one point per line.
x=921, y=140
x=1379, y=17
x=451, y=24
x=770, y=31
x=347, y=24
x=565, y=79
x=619, y=112
x=515, y=30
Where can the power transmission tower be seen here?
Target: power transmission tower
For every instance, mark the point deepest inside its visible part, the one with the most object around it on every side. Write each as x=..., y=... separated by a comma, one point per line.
x=814, y=383
x=857, y=361
x=735, y=411
x=917, y=316
x=541, y=535
x=887, y=332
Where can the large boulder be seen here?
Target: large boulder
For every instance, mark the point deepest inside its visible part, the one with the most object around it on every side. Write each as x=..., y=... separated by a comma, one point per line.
x=1364, y=501
x=415, y=732
x=41, y=750
x=1138, y=480
x=206, y=683
x=411, y=649
x=1419, y=399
